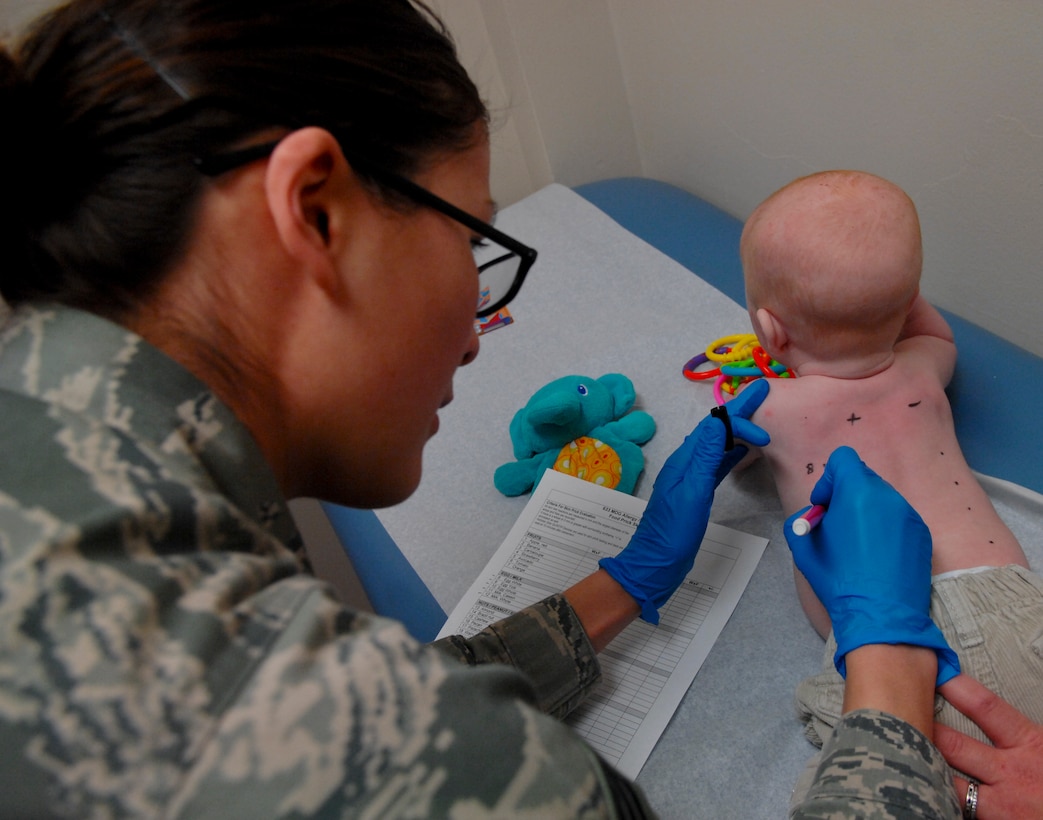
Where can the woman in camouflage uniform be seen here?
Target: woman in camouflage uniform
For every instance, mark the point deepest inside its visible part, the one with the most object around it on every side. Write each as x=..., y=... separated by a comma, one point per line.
x=241, y=270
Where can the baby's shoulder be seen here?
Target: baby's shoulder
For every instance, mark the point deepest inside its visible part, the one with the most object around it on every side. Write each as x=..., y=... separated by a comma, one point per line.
x=790, y=399
x=899, y=381
x=928, y=356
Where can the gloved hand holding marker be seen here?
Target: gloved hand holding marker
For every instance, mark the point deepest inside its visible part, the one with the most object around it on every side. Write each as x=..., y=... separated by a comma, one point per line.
x=663, y=548
x=868, y=561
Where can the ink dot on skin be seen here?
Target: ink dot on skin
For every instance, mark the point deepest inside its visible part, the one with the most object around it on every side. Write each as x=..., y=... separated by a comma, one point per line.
x=957, y=483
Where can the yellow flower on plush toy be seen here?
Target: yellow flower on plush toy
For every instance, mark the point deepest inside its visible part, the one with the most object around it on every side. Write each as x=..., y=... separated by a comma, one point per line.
x=591, y=460
x=580, y=426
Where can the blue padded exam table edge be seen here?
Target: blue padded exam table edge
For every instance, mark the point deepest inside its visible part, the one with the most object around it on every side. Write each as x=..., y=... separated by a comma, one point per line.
x=996, y=391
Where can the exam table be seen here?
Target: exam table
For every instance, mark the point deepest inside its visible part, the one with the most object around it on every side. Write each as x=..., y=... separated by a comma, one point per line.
x=636, y=276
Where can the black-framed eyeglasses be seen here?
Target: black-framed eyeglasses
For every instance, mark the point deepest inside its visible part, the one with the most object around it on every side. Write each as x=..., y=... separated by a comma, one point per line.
x=503, y=262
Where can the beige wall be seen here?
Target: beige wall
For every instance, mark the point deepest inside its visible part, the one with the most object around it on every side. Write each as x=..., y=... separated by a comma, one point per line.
x=551, y=74
x=14, y=14
x=731, y=99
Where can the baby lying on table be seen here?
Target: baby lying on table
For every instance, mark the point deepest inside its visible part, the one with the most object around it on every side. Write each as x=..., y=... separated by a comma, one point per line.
x=832, y=266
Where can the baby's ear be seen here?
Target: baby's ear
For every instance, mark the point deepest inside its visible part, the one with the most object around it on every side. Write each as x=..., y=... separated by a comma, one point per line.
x=773, y=336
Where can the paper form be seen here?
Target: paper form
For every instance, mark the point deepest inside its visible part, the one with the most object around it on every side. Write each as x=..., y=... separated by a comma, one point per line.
x=566, y=527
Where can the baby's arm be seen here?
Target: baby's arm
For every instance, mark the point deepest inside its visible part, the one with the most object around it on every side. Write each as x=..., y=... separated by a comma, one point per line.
x=925, y=320
x=812, y=606
x=927, y=336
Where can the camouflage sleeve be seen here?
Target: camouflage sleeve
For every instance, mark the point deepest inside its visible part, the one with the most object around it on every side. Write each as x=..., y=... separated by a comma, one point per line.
x=878, y=767
x=365, y=722
x=547, y=643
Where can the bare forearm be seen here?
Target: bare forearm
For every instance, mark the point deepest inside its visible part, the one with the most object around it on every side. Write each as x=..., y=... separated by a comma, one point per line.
x=898, y=680
x=603, y=606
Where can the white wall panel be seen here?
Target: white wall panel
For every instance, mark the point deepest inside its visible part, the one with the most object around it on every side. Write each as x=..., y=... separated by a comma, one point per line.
x=733, y=99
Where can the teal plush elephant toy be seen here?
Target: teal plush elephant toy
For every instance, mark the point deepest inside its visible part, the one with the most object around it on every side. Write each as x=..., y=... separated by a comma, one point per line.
x=580, y=426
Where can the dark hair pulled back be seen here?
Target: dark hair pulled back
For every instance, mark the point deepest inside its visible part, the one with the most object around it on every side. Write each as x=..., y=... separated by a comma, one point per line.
x=107, y=104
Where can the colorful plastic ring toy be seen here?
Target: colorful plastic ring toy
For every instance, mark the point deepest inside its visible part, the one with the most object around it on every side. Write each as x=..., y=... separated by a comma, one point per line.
x=694, y=375
x=735, y=348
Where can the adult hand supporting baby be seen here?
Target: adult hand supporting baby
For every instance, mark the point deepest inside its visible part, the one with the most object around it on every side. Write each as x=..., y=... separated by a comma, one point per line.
x=663, y=548
x=869, y=563
x=1007, y=774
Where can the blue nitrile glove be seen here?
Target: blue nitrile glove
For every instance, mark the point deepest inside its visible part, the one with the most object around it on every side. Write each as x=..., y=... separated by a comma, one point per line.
x=869, y=562
x=662, y=550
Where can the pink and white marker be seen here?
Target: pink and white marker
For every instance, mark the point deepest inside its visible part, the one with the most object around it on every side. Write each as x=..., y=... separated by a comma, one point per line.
x=807, y=522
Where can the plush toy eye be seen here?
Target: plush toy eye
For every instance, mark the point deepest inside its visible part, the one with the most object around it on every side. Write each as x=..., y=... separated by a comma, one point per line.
x=581, y=389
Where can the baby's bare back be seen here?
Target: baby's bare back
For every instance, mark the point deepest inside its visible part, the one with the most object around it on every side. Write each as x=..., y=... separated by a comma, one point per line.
x=900, y=423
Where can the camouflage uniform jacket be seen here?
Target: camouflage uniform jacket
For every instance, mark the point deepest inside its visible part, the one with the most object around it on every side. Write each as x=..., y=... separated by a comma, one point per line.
x=164, y=652
x=877, y=767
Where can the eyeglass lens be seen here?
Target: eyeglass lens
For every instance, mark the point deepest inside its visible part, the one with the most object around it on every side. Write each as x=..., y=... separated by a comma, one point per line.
x=497, y=268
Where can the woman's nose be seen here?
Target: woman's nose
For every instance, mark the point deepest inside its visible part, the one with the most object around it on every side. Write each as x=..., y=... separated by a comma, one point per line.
x=472, y=351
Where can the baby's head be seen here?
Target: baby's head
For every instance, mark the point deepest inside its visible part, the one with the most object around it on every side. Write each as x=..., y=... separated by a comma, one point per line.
x=836, y=258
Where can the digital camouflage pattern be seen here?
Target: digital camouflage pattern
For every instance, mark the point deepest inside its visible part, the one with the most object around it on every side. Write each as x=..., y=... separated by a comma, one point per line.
x=163, y=651
x=877, y=767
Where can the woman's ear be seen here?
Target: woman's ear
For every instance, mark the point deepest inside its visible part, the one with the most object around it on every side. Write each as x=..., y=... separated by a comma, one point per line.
x=304, y=184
